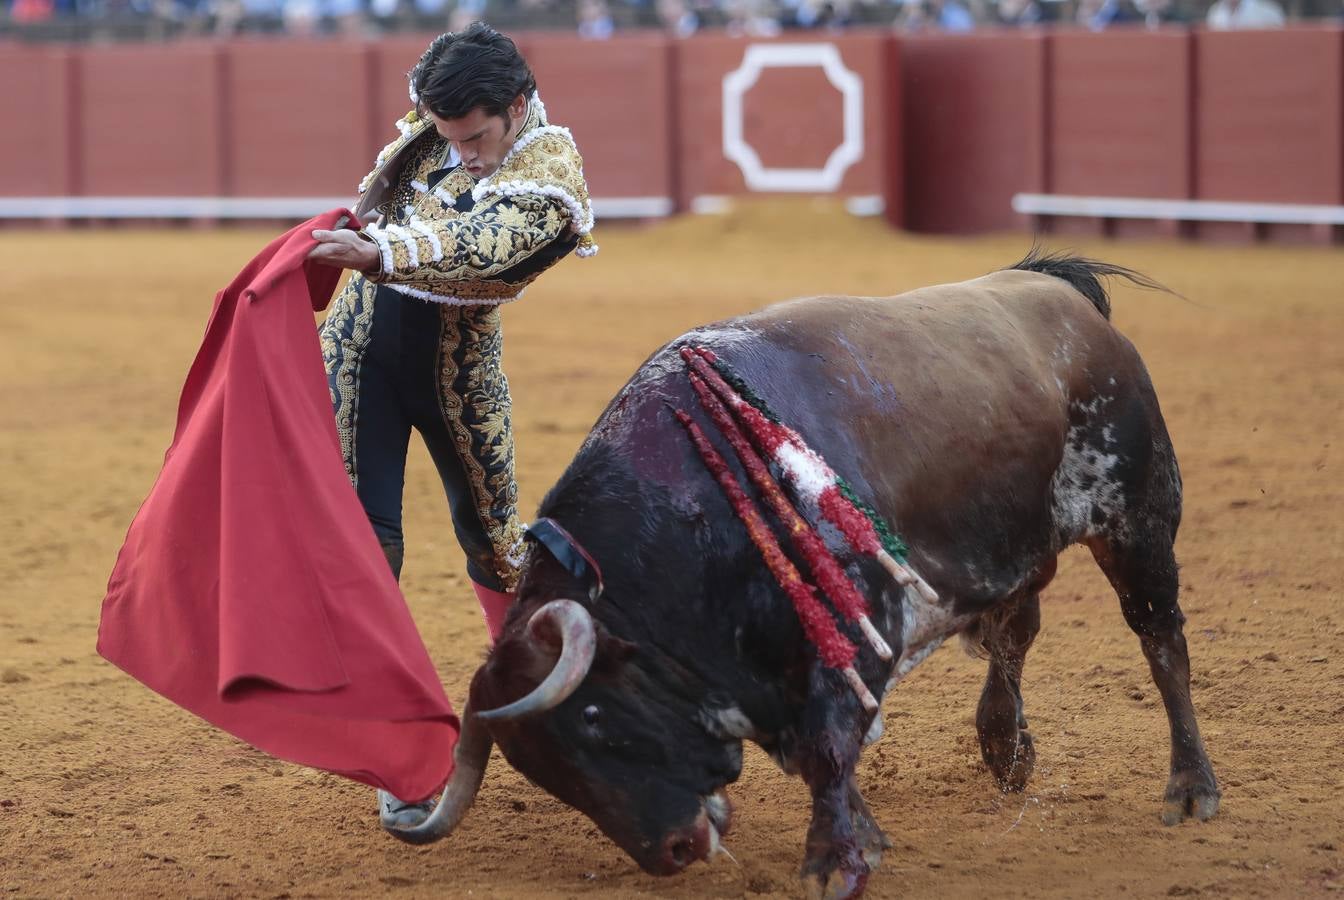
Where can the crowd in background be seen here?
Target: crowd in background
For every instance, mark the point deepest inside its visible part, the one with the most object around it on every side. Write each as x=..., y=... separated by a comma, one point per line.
x=599, y=19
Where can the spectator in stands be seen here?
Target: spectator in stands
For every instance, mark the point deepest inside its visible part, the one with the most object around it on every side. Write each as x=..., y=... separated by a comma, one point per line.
x=1099, y=15
x=751, y=18
x=1019, y=13
x=595, y=22
x=1160, y=12
x=465, y=14
x=677, y=18
x=944, y=15
x=29, y=11
x=302, y=18
x=817, y=13
x=1226, y=15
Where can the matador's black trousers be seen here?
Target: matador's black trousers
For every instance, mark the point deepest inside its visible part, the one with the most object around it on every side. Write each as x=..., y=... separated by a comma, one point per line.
x=396, y=363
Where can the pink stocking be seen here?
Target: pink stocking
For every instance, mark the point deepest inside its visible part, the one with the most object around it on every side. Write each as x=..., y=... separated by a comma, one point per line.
x=495, y=605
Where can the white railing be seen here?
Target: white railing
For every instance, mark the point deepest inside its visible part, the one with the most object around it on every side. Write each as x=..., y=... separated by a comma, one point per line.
x=1177, y=210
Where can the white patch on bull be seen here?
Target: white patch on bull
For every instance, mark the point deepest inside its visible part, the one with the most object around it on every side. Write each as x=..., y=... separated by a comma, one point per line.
x=720, y=336
x=1062, y=356
x=1083, y=484
x=908, y=661
x=727, y=722
x=924, y=626
x=803, y=470
x=874, y=730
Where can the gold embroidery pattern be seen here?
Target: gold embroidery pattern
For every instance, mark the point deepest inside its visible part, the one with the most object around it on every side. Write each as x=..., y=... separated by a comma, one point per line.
x=421, y=161
x=549, y=160
x=474, y=394
x=344, y=337
x=482, y=244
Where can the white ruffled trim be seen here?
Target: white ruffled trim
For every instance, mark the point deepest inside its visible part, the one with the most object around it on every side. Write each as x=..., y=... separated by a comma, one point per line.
x=447, y=299
x=580, y=217
x=518, y=146
x=384, y=248
x=540, y=107
x=420, y=187
x=418, y=225
x=443, y=195
x=412, y=248
x=586, y=252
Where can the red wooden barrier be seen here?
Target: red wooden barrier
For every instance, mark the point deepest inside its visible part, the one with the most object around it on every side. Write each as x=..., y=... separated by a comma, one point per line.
x=150, y=120
x=1269, y=119
x=946, y=127
x=974, y=126
x=618, y=102
x=37, y=116
x=1119, y=108
x=299, y=116
x=792, y=132
x=392, y=59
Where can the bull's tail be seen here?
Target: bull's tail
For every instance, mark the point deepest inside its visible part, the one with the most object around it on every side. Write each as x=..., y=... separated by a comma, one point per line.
x=1084, y=275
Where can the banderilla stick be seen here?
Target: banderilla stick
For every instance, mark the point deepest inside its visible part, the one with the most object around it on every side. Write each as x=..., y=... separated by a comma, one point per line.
x=825, y=569
x=768, y=435
x=834, y=648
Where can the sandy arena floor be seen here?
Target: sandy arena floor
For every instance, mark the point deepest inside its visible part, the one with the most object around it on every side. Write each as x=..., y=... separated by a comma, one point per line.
x=108, y=790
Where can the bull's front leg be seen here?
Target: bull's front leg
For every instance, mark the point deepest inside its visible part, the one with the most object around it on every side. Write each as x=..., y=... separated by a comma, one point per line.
x=844, y=844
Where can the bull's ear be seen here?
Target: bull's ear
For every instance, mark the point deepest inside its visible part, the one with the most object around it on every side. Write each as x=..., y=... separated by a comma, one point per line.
x=612, y=652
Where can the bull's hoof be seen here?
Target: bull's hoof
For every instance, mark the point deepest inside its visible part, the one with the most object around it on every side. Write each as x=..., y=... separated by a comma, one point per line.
x=1190, y=795
x=838, y=885
x=872, y=839
x=836, y=873
x=1011, y=765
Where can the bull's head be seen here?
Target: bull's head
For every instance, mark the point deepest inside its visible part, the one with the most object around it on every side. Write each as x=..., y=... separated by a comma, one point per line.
x=605, y=728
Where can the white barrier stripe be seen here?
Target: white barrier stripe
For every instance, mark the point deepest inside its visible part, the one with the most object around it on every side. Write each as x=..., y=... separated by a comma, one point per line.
x=1180, y=210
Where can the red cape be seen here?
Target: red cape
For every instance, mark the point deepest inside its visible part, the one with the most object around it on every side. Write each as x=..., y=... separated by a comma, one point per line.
x=251, y=589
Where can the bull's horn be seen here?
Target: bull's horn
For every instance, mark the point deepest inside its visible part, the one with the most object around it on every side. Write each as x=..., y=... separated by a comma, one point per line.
x=470, y=758
x=578, y=645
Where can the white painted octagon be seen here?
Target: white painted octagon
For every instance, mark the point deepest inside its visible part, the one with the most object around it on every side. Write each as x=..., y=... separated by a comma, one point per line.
x=736, y=84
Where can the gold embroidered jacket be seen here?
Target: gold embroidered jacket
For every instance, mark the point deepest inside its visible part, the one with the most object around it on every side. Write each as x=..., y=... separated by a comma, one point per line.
x=460, y=241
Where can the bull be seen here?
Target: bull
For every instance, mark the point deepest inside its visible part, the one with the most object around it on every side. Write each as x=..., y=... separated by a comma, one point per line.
x=993, y=422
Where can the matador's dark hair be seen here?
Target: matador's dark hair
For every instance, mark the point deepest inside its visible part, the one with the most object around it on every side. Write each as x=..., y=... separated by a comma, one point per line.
x=466, y=70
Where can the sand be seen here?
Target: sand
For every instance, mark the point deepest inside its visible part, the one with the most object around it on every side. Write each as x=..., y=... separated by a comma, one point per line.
x=108, y=790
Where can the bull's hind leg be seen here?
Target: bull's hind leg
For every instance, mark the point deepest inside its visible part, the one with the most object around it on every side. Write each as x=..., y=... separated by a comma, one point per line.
x=1142, y=569
x=1006, y=634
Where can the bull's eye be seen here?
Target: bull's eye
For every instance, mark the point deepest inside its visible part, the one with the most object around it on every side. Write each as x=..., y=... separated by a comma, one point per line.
x=591, y=715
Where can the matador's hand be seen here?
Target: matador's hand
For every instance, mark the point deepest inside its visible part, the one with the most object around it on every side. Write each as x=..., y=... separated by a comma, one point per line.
x=345, y=249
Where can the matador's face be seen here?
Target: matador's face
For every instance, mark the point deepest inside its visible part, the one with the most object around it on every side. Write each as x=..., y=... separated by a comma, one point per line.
x=482, y=140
